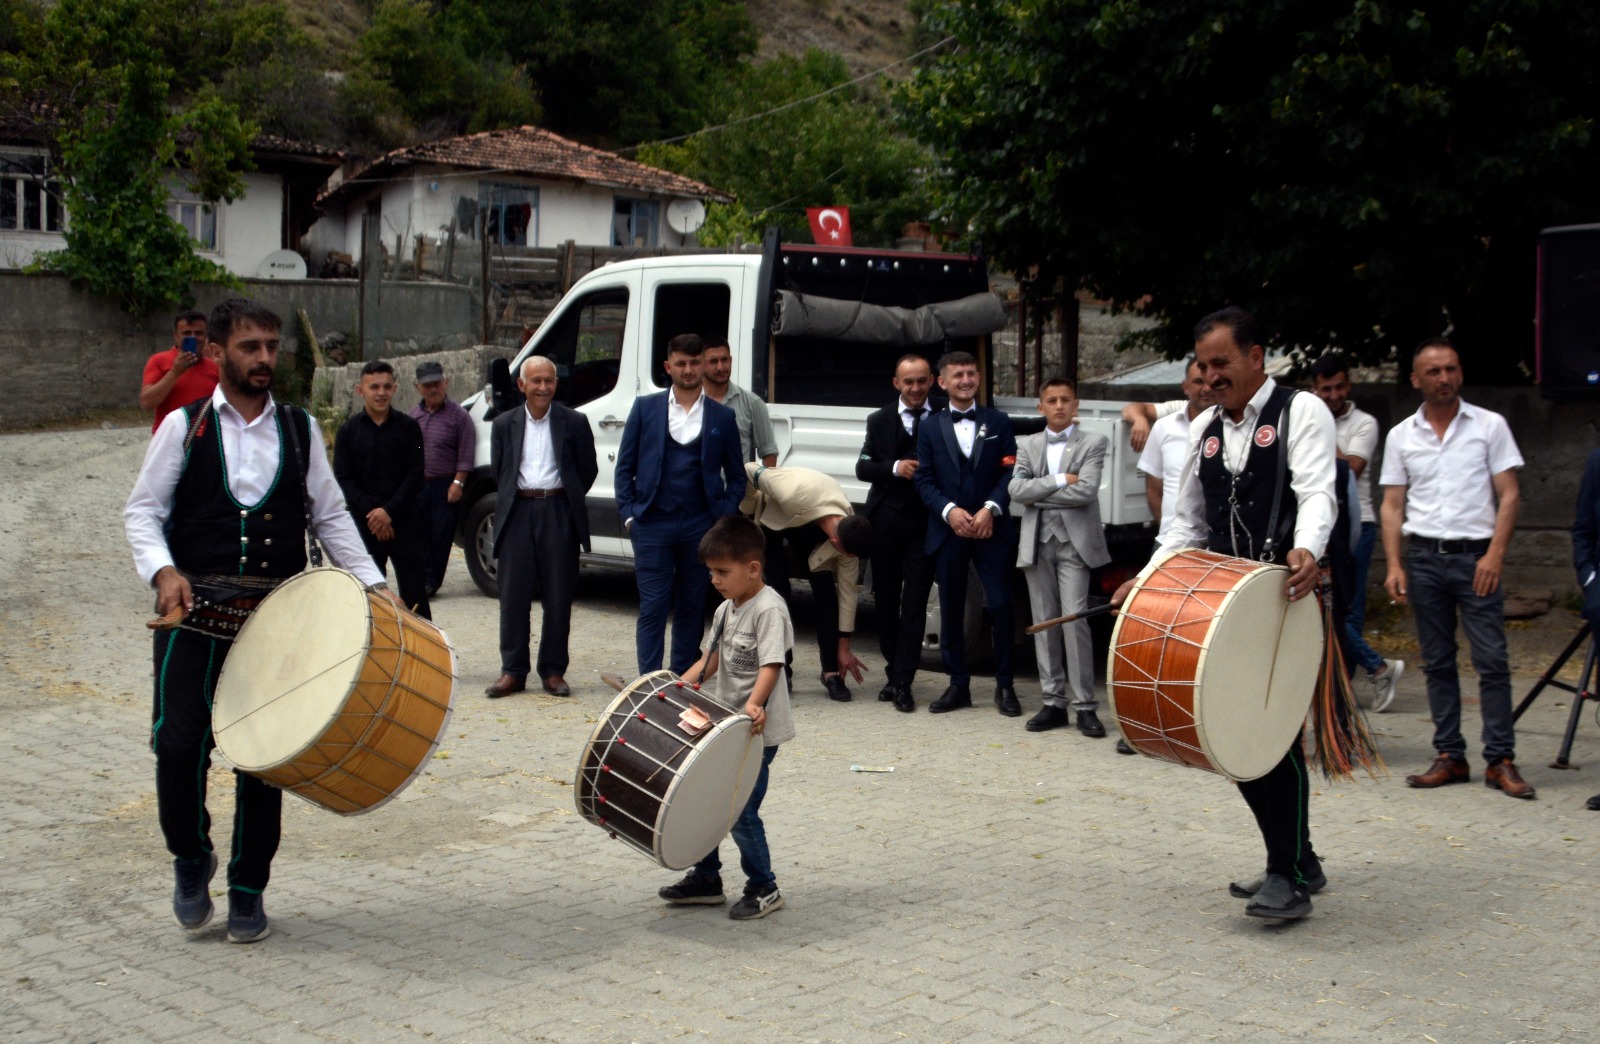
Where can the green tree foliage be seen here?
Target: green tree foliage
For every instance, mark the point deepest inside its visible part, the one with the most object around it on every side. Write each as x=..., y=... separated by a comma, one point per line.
x=1358, y=174
x=95, y=83
x=838, y=149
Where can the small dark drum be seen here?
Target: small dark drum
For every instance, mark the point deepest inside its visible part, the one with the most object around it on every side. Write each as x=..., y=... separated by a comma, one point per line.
x=668, y=770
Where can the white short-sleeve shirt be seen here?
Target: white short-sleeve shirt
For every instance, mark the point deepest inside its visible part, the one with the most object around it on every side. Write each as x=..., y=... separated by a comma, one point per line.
x=1450, y=481
x=1162, y=458
x=1355, y=431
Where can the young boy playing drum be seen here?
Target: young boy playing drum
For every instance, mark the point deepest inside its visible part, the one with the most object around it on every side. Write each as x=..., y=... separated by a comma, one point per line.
x=751, y=636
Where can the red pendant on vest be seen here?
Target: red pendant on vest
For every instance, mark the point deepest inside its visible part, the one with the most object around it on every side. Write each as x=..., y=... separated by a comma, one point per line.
x=1266, y=435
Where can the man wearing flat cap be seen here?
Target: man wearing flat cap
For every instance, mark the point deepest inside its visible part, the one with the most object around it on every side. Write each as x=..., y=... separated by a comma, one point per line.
x=449, y=443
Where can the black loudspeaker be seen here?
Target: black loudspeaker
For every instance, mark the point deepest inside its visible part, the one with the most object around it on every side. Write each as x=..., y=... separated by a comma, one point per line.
x=1567, y=327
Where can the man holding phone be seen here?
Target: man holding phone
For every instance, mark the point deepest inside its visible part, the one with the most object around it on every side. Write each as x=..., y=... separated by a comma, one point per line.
x=180, y=375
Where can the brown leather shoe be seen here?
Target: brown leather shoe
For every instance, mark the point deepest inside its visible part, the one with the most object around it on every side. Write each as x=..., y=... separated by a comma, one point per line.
x=505, y=686
x=1445, y=769
x=1504, y=776
x=556, y=685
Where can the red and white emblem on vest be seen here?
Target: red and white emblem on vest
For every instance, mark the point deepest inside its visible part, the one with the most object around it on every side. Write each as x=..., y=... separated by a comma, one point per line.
x=1212, y=445
x=1266, y=435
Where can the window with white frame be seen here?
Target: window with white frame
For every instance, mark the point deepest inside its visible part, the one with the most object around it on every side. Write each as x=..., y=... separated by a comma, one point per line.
x=634, y=221
x=197, y=217
x=30, y=200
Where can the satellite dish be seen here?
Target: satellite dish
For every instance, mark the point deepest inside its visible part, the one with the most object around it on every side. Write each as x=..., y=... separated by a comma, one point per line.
x=282, y=264
x=685, y=216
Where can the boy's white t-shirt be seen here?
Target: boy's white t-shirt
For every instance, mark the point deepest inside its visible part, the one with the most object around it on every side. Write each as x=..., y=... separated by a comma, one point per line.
x=749, y=636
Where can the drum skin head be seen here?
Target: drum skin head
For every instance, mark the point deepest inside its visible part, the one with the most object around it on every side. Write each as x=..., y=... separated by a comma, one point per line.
x=701, y=807
x=291, y=668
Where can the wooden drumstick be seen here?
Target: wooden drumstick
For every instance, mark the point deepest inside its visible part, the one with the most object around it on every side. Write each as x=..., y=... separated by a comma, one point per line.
x=169, y=621
x=616, y=681
x=1044, y=625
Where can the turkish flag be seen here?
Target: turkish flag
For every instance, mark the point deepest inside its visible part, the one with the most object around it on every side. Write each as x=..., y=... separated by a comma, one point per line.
x=830, y=226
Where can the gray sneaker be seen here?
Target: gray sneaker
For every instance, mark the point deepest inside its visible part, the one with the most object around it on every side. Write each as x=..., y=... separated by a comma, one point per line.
x=754, y=905
x=191, y=895
x=1383, y=683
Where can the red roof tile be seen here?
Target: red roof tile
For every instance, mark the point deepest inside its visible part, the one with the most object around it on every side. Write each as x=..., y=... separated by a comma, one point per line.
x=529, y=151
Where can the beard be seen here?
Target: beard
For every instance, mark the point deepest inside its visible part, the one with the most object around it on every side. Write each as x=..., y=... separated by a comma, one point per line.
x=254, y=382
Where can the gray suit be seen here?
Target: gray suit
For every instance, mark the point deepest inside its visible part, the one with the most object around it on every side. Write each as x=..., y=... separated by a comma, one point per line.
x=1062, y=540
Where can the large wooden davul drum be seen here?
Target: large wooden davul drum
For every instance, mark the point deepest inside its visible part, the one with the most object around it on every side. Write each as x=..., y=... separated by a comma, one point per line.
x=1212, y=665
x=334, y=693
x=668, y=770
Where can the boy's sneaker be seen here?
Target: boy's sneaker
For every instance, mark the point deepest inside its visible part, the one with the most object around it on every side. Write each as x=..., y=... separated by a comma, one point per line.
x=694, y=890
x=247, y=918
x=755, y=905
x=191, y=895
x=1383, y=683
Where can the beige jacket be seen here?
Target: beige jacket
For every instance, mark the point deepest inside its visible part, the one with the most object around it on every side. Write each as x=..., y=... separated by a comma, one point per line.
x=788, y=498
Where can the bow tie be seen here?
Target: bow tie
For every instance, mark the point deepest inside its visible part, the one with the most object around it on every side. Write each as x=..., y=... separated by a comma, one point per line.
x=969, y=415
x=1056, y=439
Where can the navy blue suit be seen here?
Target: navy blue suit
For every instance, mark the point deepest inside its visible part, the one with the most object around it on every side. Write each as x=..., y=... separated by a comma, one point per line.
x=1586, y=540
x=673, y=493
x=945, y=477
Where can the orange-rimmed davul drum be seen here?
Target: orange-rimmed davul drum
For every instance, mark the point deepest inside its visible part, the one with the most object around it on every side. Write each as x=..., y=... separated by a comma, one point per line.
x=1212, y=665
x=667, y=770
x=334, y=693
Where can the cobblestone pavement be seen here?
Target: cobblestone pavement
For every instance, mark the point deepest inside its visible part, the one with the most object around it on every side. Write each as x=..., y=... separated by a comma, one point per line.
x=998, y=885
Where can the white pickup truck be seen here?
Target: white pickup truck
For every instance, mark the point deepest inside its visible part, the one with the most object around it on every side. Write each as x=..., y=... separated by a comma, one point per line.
x=608, y=338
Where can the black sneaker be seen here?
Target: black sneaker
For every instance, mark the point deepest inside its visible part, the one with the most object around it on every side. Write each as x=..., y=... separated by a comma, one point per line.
x=1316, y=881
x=694, y=890
x=1280, y=900
x=247, y=918
x=754, y=906
x=191, y=896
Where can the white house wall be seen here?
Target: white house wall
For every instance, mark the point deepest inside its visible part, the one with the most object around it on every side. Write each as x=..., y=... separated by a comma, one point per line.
x=251, y=227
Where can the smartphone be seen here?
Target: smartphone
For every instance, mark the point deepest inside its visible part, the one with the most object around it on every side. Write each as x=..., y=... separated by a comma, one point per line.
x=191, y=344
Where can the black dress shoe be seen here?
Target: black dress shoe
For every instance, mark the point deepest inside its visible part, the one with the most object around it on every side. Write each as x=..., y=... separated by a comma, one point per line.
x=1005, y=698
x=1089, y=724
x=1123, y=748
x=886, y=693
x=1593, y=804
x=954, y=698
x=1049, y=717
x=903, y=700
x=837, y=691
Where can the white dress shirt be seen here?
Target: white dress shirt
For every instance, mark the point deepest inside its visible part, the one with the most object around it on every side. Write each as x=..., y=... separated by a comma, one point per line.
x=538, y=470
x=1311, y=463
x=250, y=454
x=1450, y=481
x=684, y=424
x=1163, y=458
x=1356, y=433
x=1055, y=447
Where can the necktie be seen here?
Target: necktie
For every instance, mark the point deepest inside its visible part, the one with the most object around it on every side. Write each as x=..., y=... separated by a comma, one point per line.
x=916, y=423
x=969, y=415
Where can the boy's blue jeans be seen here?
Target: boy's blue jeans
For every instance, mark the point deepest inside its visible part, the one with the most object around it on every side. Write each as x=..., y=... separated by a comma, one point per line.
x=751, y=836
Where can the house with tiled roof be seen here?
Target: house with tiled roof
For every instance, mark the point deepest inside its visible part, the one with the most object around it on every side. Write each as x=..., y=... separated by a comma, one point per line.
x=244, y=236
x=522, y=186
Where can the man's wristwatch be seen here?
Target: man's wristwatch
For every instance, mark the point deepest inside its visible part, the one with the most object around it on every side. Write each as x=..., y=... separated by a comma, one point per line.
x=993, y=510
x=458, y=482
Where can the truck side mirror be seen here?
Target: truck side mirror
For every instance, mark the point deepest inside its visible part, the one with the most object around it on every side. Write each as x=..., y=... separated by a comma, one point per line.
x=502, y=389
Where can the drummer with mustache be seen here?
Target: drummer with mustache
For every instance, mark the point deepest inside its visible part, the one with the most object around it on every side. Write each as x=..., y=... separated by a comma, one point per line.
x=227, y=488
x=1225, y=504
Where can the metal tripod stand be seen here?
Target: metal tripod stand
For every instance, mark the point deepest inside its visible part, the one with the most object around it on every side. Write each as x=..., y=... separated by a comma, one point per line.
x=1581, y=692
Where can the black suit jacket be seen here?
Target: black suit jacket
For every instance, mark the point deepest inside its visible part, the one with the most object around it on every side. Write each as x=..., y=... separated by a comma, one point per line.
x=573, y=442
x=887, y=442
x=945, y=477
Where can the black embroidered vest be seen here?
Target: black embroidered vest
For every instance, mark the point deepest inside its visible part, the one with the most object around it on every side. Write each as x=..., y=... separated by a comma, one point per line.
x=1239, y=507
x=212, y=533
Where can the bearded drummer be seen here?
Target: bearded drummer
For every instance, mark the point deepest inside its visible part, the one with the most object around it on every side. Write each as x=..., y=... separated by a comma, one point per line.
x=220, y=509
x=1225, y=504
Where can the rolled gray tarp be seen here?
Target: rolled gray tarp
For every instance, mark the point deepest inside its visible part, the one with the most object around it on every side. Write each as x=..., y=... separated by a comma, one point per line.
x=802, y=315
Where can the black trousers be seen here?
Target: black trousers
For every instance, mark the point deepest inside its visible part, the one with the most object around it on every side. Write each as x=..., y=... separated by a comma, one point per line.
x=438, y=517
x=407, y=552
x=902, y=576
x=802, y=540
x=187, y=665
x=1280, y=801
x=993, y=560
x=538, y=559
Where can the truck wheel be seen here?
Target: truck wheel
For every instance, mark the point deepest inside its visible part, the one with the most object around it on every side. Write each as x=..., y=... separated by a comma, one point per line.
x=479, y=546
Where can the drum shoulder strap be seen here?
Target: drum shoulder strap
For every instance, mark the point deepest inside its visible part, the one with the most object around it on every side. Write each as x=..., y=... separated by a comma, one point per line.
x=1269, y=549
x=293, y=419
